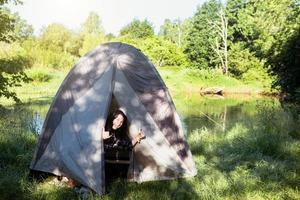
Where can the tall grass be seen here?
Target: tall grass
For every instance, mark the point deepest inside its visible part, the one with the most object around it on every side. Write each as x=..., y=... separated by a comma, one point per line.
x=256, y=160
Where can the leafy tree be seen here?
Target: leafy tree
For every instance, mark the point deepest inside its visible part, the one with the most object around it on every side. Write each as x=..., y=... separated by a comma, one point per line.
x=74, y=44
x=161, y=52
x=22, y=29
x=92, y=33
x=283, y=56
x=110, y=36
x=92, y=24
x=201, y=37
x=54, y=37
x=174, y=31
x=256, y=22
x=258, y=30
x=6, y=24
x=138, y=29
x=11, y=63
x=13, y=60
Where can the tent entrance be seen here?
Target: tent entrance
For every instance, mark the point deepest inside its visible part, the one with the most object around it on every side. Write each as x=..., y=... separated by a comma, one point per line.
x=116, y=160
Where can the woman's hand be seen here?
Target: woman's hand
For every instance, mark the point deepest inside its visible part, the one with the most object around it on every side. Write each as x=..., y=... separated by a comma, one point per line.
x=105, y=134
x=140, y=136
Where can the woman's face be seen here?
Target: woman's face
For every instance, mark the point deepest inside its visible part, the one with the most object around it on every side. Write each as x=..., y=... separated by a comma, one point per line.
x=117, y=122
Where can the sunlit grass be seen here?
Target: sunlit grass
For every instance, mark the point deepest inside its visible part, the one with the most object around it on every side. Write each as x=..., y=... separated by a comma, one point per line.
x=192, y=80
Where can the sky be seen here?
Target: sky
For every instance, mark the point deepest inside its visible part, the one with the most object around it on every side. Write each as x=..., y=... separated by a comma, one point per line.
x=115, y=14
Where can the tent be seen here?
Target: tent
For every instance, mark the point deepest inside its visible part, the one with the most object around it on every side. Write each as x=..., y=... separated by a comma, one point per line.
x=70, y=143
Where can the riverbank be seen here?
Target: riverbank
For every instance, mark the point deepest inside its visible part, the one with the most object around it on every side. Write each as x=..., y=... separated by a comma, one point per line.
x=181, y=80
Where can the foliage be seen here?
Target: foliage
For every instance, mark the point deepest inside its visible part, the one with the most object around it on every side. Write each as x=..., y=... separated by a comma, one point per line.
x=242, y=60
x=22, y=30
x=258, y=30
x=92, y=24
x=201, y=37
x=40, y=76
x=73, y=44
x=90, y=41
x=6, y=24
x=48, y=57
x=13, y=60
x=161, y=52
x=285, y=63
x=175, y=31
x=54, y=37
x=138, y=29
x=92, y=33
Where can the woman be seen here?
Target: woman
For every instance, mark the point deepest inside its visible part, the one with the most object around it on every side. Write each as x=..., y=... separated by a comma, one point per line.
x=116, y=136
x=118, y=146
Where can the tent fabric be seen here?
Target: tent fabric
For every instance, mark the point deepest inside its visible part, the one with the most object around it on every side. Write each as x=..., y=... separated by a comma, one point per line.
x=71, y=143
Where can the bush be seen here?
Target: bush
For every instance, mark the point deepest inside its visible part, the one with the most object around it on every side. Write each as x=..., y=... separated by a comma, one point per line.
x=40, y=76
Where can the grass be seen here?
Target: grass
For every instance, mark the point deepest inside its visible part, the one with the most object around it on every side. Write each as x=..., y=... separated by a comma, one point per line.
x=253, y=159
x=250, y=161
x=190, y=81
x=43, y=87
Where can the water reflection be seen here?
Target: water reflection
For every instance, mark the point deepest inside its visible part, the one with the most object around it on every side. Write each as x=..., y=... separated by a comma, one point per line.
x=218, y=114
x=23, y=118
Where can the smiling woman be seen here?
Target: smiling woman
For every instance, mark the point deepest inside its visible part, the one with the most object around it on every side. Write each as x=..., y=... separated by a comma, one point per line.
x=117, y=146
x=117, y=132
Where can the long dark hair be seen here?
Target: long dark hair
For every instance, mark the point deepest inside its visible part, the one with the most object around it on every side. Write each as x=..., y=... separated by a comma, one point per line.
x=121, y=132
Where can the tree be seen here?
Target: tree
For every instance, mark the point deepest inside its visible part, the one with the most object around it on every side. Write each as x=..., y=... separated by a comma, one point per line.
x=11, y=63
x=110, y=36
x=255, y=29
x=284, y=55
x=92, y=33
x=92, y=24
x=138, y=29
x=174, y=31
x=54, y=37
x=161, y=52
x=22, y=29
x=201, y=38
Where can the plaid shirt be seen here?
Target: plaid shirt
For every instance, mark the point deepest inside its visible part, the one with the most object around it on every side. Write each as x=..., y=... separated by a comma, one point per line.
x=117, y=143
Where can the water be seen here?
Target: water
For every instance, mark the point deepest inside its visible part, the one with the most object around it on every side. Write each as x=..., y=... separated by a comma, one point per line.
x=24, y=118
x=197, y=112
x=219, y=114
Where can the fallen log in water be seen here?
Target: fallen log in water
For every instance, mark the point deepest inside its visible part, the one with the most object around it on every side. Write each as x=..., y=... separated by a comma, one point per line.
x=212, y=90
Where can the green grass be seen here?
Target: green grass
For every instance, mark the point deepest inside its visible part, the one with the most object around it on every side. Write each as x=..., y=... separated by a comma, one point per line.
x=257, y=159
x=250, y=161
x=43, y=87
x=189, y=81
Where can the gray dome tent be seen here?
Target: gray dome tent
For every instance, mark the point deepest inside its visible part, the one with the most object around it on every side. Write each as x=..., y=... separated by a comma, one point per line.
x=71, y=144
